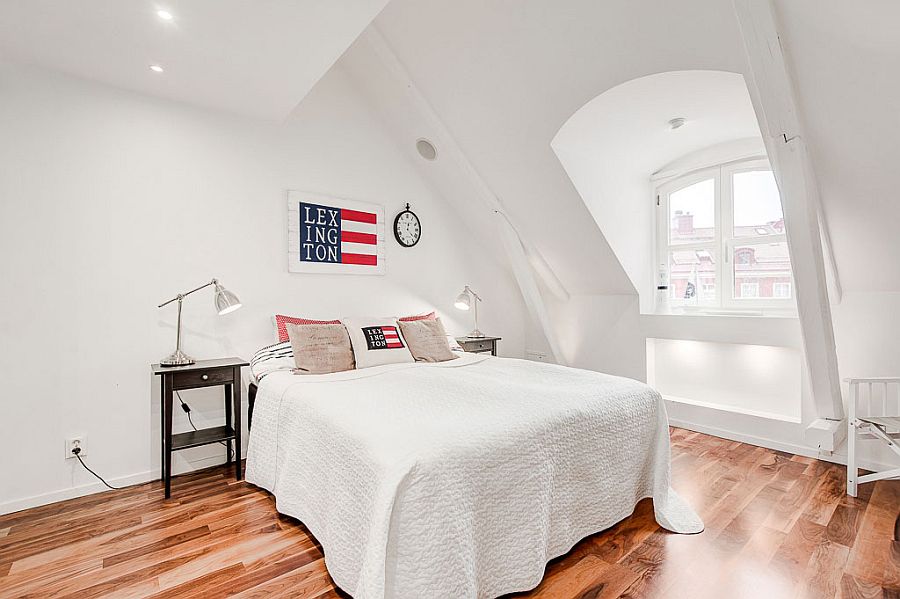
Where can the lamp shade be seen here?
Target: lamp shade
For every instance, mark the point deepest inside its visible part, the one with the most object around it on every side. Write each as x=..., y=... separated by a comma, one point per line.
x=226, y=301
x=463, y=301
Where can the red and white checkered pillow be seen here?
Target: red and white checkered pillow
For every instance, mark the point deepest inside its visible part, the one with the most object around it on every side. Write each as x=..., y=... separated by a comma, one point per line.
x=429, y=316
x=282, y=321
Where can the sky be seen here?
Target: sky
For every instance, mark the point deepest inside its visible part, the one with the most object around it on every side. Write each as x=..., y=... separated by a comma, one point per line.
x=756, y=200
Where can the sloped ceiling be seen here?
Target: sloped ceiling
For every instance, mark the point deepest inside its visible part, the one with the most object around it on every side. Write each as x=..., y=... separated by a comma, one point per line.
x=253, y=58
x=845, y=60
x=504, y=77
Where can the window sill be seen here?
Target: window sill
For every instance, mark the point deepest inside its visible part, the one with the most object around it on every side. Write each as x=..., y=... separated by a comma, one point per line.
x=726, y=313
x=779, y=331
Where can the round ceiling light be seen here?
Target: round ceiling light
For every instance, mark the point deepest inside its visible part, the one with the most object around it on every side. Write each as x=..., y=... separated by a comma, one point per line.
x=164, y=15
x=677, y=123
x=426, y=149
x=156, y=68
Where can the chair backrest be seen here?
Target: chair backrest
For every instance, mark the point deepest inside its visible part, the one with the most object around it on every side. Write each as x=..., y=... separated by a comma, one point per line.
x=874, y=396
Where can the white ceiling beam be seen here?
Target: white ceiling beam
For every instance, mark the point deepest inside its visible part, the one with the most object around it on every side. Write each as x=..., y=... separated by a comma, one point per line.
x=773, y=100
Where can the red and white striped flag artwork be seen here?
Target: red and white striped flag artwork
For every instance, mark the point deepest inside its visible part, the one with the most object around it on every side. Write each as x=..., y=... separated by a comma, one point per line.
x=333, y=235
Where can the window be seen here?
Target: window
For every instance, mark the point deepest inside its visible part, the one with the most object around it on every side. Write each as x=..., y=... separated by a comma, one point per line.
x=781, y=290
x=720, y=234
x=749, y=290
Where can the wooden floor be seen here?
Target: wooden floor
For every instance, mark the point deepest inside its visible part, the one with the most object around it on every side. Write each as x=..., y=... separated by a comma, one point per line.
x=776, y=526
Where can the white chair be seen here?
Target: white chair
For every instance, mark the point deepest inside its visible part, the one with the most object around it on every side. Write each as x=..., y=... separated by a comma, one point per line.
x=873, y=412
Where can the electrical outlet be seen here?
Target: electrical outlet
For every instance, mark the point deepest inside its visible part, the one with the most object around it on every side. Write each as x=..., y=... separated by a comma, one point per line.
x=72, y=443
x=535, y=355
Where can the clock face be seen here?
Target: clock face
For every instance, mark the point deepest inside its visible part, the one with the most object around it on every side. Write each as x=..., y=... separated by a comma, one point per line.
x=407, y=229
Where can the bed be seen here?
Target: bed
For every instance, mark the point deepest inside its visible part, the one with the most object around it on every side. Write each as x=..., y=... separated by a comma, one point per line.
x=461, y=478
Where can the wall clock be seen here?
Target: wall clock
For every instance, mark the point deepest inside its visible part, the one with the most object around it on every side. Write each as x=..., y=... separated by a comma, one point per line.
x=407, y=228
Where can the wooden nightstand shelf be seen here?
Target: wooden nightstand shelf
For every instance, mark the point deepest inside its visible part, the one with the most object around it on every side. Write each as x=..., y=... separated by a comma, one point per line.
x=479, y=345
x=204, y=373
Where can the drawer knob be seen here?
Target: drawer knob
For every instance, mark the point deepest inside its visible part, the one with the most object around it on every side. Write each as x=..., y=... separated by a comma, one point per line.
x=205, y=377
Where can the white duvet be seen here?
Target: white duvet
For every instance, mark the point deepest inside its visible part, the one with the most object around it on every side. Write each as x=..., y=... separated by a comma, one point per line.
x=459, y=479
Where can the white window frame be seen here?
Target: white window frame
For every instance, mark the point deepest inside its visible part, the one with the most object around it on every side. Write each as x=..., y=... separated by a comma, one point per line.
x=724, y=243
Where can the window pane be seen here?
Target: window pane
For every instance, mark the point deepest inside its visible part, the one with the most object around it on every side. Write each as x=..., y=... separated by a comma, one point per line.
x=762, y=271
x=692, y=277
x=692, y=211
x=757, y=205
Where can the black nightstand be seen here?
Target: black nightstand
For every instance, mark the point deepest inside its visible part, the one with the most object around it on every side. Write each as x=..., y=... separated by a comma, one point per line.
x=204, y=373
x=479, y=345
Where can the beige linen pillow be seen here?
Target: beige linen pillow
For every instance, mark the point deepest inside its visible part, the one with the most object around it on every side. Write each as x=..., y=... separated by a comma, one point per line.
x=320, y=348
x=427, y=340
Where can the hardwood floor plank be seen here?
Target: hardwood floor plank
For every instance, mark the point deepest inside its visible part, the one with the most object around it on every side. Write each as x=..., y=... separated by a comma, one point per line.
x=590, y=577
x=200, y=586
x=828, y=496
x=824, y=572
x=892, y=565
x=843, y=525
x=792, y=558
x=777, y=526
x=265, y=572
x=168, y=542
x=853, y=588
x=792, y=505
x=309, y=581
x=144, y=580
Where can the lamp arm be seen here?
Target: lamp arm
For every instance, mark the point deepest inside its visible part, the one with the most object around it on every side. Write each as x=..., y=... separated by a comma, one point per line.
x=181, y=296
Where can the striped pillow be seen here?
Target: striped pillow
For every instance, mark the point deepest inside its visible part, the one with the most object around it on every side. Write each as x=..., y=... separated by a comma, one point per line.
x=272, y=358
x=282, y=321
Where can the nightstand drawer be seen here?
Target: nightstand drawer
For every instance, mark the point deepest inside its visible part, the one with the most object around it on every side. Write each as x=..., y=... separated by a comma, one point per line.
x=476, y=346
x=479, y=345
x=202, y=378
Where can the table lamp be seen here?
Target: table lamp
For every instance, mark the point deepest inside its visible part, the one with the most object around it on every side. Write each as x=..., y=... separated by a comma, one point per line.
x=225, y=302
x=469, y=299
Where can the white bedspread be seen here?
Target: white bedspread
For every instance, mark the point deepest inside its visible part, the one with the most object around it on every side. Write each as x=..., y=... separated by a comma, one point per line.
x=459, y=479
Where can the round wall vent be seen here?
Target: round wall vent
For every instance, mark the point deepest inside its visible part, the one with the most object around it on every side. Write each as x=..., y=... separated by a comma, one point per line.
x=426, y=149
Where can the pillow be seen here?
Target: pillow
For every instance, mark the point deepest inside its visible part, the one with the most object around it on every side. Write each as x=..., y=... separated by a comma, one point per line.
x=429, y=316
x=272, y=358
x=376, y=341
x=427, y=340
x=454, y=344
x=320, y=348
x=281, y=321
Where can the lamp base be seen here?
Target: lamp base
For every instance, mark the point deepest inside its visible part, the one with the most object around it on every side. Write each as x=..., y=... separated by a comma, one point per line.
x=177, y=358
x=476, y=334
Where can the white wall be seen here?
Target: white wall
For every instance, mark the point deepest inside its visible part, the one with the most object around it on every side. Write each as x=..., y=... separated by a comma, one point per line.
x=761, y=380
x=114, y=202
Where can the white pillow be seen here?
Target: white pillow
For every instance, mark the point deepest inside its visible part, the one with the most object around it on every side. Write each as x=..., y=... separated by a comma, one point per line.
x=272, y=358
x=454, y=344
x=377, y=341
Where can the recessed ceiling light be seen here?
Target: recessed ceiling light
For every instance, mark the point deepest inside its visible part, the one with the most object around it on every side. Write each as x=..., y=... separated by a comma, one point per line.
x=156, y=68
x=164, y=15
x=677, y=123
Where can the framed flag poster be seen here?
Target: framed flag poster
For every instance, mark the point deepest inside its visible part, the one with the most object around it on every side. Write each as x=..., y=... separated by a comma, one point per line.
x=334, y=235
